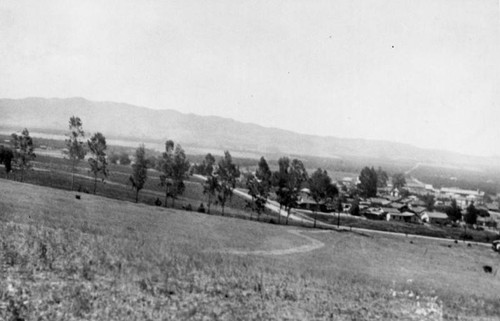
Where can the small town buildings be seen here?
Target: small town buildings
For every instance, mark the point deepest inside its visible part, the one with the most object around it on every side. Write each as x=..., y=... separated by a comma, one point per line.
x=462, y=196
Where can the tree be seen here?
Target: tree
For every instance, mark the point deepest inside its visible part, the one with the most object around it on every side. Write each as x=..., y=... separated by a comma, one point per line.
x=227, y=173
x=398, y=181
x=259, y=186
x=6, y=156
x=382, y=178
x=180, y=167
x=368, y=182
x=139, y=171
x=454, y=212
x=75, y=145
x=113, y=158
x=429, y=201
x=98, y=163
x=471, y=215
x=206, y=168
x=23, y=151
x=210, y=187
x=288, y=180
x=354, y=210
x=321, y=188
x=124, y=159
x=165, y=166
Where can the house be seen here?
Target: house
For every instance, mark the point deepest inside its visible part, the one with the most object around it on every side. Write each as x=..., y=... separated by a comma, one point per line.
x=435, y=217
x=306, y=202
x=390, y=210
x=417, y=209
x=378, y=201
x=493, y=207
x=374, y=213
x=418, y=203
x=398, y=205
x=407, y=217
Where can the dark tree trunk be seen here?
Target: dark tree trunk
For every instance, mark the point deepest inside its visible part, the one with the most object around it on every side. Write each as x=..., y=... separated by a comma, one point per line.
x=95, y=183
x=166, y=196
x=137, y=195
x=72, y=176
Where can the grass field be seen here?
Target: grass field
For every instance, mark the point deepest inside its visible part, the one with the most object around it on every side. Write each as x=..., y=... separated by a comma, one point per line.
x=56, y=172
x=102, y=259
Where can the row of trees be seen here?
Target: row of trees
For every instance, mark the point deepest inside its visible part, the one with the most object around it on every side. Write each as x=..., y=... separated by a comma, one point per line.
x=286, y=182
x=172, y=164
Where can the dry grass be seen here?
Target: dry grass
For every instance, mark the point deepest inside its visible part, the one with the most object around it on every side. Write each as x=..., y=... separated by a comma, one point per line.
x=101, y=259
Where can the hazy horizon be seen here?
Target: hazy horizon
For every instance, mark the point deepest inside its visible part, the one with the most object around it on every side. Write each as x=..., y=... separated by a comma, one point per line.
x=424, y=73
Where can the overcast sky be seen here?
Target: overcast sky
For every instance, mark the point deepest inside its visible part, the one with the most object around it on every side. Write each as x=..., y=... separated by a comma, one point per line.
x=424, y=72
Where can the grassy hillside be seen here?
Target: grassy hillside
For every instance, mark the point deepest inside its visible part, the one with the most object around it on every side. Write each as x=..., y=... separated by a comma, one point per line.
x=103, y=259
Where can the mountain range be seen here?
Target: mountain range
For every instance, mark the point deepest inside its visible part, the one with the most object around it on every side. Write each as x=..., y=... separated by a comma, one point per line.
x=139, y=124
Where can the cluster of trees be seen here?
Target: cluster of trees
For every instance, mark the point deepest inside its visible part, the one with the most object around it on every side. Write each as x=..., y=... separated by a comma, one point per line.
x=220, y=179
x=122, y=158
x=77, y=150
x=20, y=155
x=172, y=164
x=370, y=179
x=286, y=183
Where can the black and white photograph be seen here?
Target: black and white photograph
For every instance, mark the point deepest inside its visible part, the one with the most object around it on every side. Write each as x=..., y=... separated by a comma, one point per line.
x=249, y=160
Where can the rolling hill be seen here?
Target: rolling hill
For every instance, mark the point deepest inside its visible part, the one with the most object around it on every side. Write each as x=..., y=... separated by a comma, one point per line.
x=128, y=122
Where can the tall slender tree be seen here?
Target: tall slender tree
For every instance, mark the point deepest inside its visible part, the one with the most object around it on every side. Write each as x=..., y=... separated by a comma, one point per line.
x=23, y=151
x=98, y=163
x=180, y=167
x=210, y=187
x=259, y=186
x=227, y=173
x=298, y=176
x=280, y=182
x=139, y=171
x=165, y=166
x=75, y=145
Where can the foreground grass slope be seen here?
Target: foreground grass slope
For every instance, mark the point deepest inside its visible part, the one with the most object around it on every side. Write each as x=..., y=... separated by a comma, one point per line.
x=102, y=259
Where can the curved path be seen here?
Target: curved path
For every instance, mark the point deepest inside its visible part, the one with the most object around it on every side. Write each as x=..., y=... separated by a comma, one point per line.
x=314, y=245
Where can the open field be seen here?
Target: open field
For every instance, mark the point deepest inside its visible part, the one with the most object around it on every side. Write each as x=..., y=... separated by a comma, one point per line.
x=56, y=172
x=103, y=259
